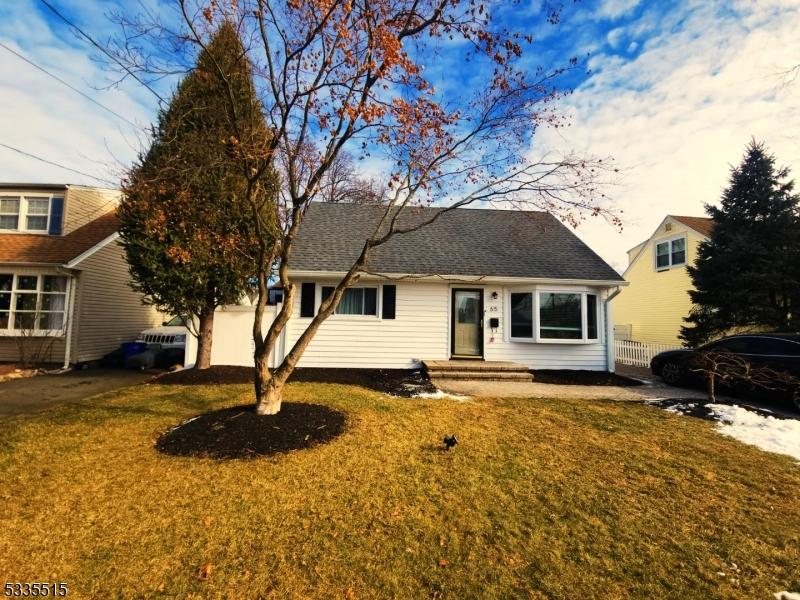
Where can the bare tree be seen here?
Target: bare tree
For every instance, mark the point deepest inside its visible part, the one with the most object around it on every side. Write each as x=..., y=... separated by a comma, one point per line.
x=343, y=183
x=346, y=75
x=721, y=367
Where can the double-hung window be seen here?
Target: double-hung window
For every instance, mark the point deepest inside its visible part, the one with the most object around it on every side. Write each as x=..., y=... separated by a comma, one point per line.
x=32, y=303
x=25, y=213
x=550, y=316
x=355, y=301
x=671, y=253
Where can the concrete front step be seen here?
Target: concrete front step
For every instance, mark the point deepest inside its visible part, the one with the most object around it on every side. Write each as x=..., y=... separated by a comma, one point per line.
x=474, y=366
x=483, y=375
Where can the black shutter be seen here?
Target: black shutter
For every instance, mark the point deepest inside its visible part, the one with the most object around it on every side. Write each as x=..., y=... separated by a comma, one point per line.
x=307, y=293
x=56, y=211
x=389, y=301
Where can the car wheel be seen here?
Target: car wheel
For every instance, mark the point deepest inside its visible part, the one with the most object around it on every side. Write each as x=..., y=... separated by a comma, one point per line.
x=672, y=373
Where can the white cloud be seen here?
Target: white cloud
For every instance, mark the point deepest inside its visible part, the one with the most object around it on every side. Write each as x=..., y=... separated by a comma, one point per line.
x=682, y=111
x=613, y=9
x=615, y=36
x=43, y=117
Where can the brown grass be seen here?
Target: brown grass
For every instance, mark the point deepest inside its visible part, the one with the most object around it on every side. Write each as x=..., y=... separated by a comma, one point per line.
x=541, y=499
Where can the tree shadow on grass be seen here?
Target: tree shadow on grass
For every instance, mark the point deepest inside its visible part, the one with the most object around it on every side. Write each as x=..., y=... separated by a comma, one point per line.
x=239, y=432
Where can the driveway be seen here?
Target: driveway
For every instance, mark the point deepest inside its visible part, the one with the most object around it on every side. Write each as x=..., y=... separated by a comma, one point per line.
x=653, y=389
x=32, y=394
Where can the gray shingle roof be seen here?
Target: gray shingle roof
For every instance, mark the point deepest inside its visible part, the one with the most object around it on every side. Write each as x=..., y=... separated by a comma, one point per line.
x=474, y=242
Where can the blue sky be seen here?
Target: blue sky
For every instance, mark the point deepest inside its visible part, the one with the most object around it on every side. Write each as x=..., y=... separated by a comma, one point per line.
x=676, y=90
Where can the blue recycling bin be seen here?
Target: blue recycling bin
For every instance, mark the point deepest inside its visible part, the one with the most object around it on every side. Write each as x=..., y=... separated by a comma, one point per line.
x=132, y=349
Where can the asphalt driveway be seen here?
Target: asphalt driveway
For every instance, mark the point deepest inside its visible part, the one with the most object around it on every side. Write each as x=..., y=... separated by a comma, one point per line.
x=32, y=394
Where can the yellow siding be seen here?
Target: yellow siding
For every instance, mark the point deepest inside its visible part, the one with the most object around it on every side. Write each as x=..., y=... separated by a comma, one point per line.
x=656, y=302
x=107, y=311
x=84, y=204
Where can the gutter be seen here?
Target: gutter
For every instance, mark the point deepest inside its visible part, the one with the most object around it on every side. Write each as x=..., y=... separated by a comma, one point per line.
x=71, y=310
x=610, y=345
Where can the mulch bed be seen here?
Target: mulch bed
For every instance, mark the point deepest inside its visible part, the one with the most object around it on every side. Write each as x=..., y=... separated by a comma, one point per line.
x=239, y=432
x=398, y=382
x=569, y=377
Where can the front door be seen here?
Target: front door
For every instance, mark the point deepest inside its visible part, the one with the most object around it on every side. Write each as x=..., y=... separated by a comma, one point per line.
x=467, y=323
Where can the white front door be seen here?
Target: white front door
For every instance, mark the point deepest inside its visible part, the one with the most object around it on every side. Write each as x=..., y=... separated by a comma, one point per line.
x=467, y=323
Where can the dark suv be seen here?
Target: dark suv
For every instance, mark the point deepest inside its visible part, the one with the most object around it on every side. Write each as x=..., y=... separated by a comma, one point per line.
x=778, y=351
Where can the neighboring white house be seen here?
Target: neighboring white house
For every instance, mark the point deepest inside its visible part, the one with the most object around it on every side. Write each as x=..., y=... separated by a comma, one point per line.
x=481, y=284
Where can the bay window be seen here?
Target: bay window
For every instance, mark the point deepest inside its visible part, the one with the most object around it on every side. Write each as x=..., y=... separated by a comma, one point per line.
x=553, y=316
x=32, y=303
x=522, y=315
x=560, y=316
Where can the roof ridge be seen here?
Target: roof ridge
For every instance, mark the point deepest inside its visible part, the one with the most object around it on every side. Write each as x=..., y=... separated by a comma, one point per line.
x=517, y=210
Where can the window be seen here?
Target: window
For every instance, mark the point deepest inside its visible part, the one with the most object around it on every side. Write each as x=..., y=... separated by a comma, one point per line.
x=591, y=316
x=36, y=216
x=32, y=302
x=560, y=316
x=737, y=345
x=671, y=253
x=9, y=213
x=554, y=316
x=25, y=213
x=522, y=315
x=355, y=301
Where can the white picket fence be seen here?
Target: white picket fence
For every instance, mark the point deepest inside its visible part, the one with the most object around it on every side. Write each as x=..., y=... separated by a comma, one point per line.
x=638, y=354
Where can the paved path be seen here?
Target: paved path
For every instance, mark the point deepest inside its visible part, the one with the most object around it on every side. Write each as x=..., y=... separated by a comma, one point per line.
x=32, y=394
x=653, y=388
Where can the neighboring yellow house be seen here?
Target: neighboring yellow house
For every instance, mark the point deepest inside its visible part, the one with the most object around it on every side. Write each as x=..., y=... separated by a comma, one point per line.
x=652, y=308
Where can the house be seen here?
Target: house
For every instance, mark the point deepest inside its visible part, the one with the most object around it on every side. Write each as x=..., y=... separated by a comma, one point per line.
x=652, y=308
x=491, y=285
x=64, y=293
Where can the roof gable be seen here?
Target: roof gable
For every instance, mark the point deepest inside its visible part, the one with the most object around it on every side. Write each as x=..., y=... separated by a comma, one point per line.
x=695, y=223
x=469, y=242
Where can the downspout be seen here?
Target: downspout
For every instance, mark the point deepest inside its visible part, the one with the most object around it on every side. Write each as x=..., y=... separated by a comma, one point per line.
x=71, y=311
x=610, y=358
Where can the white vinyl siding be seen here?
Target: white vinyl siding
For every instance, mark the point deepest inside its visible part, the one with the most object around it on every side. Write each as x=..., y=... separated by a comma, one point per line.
x=420, y=331
x=566, y=354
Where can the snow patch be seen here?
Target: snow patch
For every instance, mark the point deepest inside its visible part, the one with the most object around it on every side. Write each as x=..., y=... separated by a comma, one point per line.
x=786, y=596
x=766, y=432
x=439, y=395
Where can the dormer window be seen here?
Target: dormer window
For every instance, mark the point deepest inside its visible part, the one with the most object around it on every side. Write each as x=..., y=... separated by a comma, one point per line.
x=670, y=253
x=29, y=213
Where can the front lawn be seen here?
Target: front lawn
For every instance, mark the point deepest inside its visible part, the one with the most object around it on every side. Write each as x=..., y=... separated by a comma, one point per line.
x=542, y=499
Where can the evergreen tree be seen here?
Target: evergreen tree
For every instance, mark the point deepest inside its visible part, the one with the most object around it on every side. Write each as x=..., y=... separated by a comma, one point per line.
x=747, y=275
x=186, y=223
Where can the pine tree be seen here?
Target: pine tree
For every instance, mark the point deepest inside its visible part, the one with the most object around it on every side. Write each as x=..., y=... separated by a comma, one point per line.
x=747, y=275
x=186, y=225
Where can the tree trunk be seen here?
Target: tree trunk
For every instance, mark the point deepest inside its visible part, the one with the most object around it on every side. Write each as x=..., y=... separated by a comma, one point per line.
x=269, y=391
x=711, y=391
x=206, y=330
